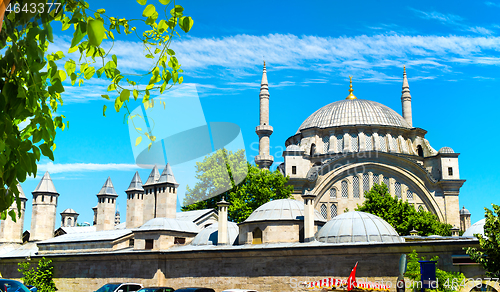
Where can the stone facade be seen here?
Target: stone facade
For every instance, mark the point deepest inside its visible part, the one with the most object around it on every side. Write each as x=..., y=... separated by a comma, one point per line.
x=43, y=216
x=10, y=231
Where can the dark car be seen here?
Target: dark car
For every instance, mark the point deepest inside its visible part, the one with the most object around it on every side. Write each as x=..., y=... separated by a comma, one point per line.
x=195, y=290
x=119, y=287
x=12, y=286
x=157, y=289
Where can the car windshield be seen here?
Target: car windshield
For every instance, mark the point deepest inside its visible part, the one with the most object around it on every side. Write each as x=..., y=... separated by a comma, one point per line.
x=156, y=290
x=107, y=288
x=12, y=286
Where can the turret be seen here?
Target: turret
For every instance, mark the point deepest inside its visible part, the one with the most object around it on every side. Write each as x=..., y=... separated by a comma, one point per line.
x=406, y=99
x=150, y=195
x=166, y=190
x=464, y=219
x=10, y=231
x=308, y=216
x=106, y=206
x=264, y=130
x=69, y=218
x=43, y=217
x=135, y=202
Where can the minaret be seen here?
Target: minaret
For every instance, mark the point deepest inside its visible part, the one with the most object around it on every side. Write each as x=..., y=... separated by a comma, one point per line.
x=166, y=194
x=69, y=218
x=43, y=215
x=10, y=231
x=135, y=202
x=406, y=99
x=222, y=238
x=106, y=207
x=117, y=216
x=264, y=130
x=150, y=195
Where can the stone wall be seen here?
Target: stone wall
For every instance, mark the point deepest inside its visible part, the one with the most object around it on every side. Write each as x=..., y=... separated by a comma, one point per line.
x=260, y=267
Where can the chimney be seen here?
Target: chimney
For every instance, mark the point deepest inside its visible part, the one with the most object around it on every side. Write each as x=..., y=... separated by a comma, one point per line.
x=222, y=228
x=308, y=216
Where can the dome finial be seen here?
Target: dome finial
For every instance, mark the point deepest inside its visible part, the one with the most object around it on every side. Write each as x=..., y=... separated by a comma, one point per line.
x=351, y=96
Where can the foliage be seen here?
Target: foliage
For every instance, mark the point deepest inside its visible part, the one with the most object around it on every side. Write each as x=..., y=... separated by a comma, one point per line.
x=32, y=80
x=400, y=214
x=447, y=281
x=41, y=277
x=258, y=187
x=488, y=253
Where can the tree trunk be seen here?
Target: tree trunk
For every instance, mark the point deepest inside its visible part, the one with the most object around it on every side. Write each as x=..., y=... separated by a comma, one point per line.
x=3, y=6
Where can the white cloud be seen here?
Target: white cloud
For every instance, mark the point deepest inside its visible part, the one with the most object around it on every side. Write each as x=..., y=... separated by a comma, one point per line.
x=83, y=167
x=452, y=20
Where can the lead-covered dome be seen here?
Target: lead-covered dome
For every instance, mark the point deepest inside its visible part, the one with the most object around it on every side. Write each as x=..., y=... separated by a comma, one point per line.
x=350, y=112
x=357, y=226
x=284, y=209
x=477, y=227
x=210, y=235
x=169, y=224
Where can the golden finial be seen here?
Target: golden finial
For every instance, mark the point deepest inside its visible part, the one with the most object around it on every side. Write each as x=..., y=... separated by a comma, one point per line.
x=351, y=96
x=264, y=63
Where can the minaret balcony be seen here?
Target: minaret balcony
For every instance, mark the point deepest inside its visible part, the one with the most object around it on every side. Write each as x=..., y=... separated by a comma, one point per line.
x=264, y=130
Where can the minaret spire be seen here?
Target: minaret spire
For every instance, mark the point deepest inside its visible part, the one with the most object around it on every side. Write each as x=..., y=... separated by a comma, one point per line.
x=263, y=130
x=351, y=96
x=406, y=99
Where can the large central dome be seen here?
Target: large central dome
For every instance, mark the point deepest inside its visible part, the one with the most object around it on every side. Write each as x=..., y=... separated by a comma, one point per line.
x=350, y=112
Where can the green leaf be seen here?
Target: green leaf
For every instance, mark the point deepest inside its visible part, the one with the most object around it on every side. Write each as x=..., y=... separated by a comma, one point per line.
x=164, y=2
x=46, y=151
x=124, y=95
x=186, y=23
x=118, y=104
x=138, y=140
x=105, y=96
x=89, y=72
x=95, y=31
x=104, y=110
x=149, y=10
x=114, y=59
x=142, y=2
x=78, y=35
x=136, y=94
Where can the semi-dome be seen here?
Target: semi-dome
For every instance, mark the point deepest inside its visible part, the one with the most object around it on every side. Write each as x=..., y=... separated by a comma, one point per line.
x=350, y=112
x=446, y=150
x=210, y=235
x=284, y=209
x=357, y=226
x=169, y=224
x=477, y=227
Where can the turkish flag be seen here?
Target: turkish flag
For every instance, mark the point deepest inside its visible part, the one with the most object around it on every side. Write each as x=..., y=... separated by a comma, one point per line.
x=351, y=281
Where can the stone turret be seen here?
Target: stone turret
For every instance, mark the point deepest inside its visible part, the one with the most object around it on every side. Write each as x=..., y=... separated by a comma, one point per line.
x=94, y=209
x=106, y=207
x=69, y=218
x=406, y=99
x=264, y=130
x=43, y=216
x=135, y=202
x=150, y=195
x=117, y=217
x=166, y=190
x=464, y=219
x=10, y=231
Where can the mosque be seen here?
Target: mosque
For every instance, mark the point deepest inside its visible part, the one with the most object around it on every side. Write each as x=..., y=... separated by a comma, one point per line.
x=338, y=153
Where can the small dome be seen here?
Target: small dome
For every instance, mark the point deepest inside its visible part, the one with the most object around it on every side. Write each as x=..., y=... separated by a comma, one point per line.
x=169, y=224
x=69, y=211
x=293, y=148
x=464, y=211
x=477, y=227
x=284, y=209
x=446, y=150
x=357, y=226
x=209, y=235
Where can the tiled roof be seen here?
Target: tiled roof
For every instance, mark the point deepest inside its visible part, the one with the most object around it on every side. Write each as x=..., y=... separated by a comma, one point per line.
x=45, y=185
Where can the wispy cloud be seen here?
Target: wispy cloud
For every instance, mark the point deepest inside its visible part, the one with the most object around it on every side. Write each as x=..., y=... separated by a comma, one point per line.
x=84, y=167
x=492, y=4
x=452, y=20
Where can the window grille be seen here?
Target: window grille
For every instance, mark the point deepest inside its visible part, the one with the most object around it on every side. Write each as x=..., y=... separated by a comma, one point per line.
x=394, y=144
x=366, y=182
x=383, y=143
x=355, y=187
x=323, y=211
x=397, y=190
x=333, y=210
x=385, y=180
x=340, y=143
x=326, y=144
x=369, y=144
x=409, y=195
x=343, y=185
x=333, y=193
x=375, y=179
x=420, y=208
x=354, y=143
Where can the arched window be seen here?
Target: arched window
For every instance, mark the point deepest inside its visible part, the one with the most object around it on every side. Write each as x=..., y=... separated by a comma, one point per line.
x=340, y=143
x=354, y=142
x=383, y=143
x=323, y=211
x=366, y=182
x=405, y=145
x=394, y=144
x=70, y=224
x=375, y=178
x=355, y=187
x=343, y=186
x=333, y=210
x=326, y=144
x=385, y=180
x=257, y=236
x=333, y=193
x=397, y=190
x=368, y=140
x=420, y=151
x=409, y=195
x=313, y=149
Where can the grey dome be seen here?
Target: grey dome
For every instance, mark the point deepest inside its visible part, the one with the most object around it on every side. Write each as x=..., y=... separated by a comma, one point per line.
x=446, y=150
x=209, y=235
x=284, y=209
x=354, y=112
x=293, y=148
x=357, y=226
x=69, y=211
x=477, y=227
x=169, y=224
x=464, y=211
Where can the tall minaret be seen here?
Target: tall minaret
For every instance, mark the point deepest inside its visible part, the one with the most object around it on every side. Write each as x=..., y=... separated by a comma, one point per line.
x=406, y=99
x=264, y=130
x=43, y=214
x=106, y=207
x=10, y=231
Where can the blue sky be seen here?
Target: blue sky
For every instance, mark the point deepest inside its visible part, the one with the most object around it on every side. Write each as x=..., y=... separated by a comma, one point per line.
x=450, y=49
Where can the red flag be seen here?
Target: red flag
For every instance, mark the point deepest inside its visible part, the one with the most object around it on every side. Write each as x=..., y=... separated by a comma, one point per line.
x=351, y=281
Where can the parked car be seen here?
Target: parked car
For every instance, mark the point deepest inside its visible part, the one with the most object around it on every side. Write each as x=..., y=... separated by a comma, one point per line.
x=12, y=286
x=157, y=289
x=195, y=290
x=119, y=287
